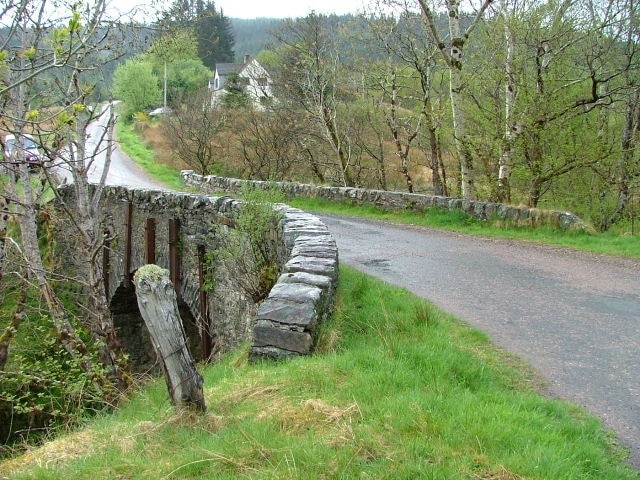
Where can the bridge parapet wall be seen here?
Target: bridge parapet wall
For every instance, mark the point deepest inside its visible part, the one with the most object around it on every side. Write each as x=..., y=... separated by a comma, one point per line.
x=177, y=231
x=516, y=215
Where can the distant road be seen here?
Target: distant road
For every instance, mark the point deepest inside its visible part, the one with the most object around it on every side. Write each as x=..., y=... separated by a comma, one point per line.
x=575, y=317
x=122, y=170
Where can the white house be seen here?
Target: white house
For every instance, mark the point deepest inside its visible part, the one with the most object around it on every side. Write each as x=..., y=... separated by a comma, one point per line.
x=253, y=77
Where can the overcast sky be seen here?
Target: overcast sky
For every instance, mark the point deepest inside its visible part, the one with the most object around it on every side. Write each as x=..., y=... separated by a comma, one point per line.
x=286, y=8
x=146, y=10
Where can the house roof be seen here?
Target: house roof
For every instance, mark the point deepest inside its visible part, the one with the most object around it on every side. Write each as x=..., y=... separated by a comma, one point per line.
x=227, y=68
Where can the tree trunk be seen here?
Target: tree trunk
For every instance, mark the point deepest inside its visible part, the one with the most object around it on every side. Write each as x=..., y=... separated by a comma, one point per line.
x=4, y=221
x=10, y=331
x=506, y=157
x=454, y=59
x=159, y=308
x=333, y=135
x=434, y=157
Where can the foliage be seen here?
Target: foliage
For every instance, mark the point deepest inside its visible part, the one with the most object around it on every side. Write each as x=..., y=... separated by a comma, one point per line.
x=136, y=84
x=175, y=59
x=236, y=96
x=185, y=78
x=402, y=390
x=211, y=29
x=44, y=390
x=249, y=251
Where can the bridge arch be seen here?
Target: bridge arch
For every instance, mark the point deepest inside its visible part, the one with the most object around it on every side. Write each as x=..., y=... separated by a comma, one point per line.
x=177, y=231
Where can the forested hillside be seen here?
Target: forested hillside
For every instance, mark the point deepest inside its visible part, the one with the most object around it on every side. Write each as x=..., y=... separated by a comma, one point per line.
x=253, y=35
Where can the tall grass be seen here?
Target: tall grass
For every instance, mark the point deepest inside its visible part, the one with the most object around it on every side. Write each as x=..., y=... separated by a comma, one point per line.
x=399, y=390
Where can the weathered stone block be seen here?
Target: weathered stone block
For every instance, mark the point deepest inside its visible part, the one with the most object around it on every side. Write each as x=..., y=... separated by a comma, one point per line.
x=288, y=313
x=296, y=292
x=319, y=266
x=308, y=278
x=299, y=342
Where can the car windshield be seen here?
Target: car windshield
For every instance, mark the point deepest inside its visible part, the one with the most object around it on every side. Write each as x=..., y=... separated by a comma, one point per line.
x=28, y=143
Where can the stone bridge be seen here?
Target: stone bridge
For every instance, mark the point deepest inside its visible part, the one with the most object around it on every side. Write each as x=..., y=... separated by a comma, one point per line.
x=181, y=232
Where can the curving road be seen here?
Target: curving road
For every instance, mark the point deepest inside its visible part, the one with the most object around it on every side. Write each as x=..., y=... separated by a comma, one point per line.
x=575, y=317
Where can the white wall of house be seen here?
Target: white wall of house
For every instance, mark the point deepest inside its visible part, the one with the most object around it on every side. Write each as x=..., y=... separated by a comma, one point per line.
x=257, y=81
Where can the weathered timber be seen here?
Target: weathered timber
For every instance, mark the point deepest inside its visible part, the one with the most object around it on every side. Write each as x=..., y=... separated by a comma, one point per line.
x=158, y=305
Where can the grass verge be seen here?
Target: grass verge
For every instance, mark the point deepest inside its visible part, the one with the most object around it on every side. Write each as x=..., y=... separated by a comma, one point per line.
x=399, y=390
x=131, y=144
x=610, y=243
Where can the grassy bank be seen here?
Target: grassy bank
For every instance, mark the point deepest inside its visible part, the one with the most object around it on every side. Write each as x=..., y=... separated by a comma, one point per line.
x=132, y=145
x=616, y=242
x=399, y=390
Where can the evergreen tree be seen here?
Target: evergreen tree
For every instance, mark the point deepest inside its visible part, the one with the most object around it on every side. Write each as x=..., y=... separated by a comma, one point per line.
x=211, y=28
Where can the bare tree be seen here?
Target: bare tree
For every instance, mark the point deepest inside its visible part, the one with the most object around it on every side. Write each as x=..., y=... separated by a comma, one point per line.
x=50, y=74
x=310, y=79
x=270, y=142
x=193, y=132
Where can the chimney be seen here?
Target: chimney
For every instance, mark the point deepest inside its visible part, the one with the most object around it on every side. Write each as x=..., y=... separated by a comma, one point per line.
x=246, y=59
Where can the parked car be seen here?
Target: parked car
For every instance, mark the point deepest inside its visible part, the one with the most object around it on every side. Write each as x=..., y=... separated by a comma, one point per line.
x=32, y=154
x=161, y=111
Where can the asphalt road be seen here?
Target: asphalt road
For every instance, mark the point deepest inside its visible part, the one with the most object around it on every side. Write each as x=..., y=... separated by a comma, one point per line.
x=574, y=317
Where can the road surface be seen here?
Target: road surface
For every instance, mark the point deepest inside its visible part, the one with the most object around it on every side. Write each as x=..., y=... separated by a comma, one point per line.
x=575, y=317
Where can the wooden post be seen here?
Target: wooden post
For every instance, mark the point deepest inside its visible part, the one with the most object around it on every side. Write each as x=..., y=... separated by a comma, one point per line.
x=174, y=254
x=128, y=228
x=159, y=308
x=150, y=241
x=205, y=335
x=106, y=264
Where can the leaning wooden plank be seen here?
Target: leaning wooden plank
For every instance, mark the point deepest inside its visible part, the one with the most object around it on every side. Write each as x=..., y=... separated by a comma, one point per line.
x=159, y=308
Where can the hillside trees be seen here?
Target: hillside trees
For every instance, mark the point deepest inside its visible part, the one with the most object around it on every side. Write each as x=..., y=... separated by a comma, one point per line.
x=532, y=102
x=559, y=107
